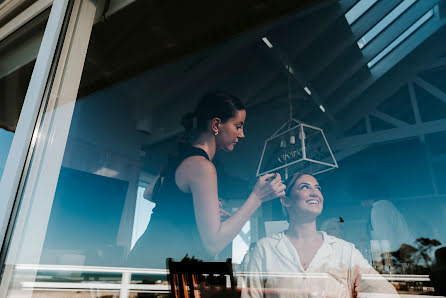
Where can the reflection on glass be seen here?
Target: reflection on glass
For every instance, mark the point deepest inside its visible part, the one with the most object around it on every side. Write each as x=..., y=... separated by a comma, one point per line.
x=401, y=38
x=5, y=141
x=127, y=121
x=358, y=10
x=18, y=52
x=187, y=203
x=143, y=212
x=395, y=13
x=302, y=261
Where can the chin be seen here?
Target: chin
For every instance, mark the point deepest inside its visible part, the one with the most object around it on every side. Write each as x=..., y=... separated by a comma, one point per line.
x=228, y=148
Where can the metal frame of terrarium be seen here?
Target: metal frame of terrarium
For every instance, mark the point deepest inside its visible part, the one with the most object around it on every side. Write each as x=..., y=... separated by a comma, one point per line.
x=301, y=126
x=278, y=133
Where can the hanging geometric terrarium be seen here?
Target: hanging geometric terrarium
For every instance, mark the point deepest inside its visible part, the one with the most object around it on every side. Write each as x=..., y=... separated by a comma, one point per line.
x=299, y=148
x=296, y=146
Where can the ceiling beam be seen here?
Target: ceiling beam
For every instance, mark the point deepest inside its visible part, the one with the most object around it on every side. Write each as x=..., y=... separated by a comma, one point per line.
x=372, y=16
x=392, y=134
x=383, y=66
x=340, y=155
x=440, y=62
x=389, y=119
x=425, y=54
x=435, y=91
x=407, y=46
x=415, y=109
x=320, y=26
x=397, y=27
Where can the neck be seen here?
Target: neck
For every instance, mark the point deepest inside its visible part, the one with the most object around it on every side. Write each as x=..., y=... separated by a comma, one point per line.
x=207, y=143
x=302, y=229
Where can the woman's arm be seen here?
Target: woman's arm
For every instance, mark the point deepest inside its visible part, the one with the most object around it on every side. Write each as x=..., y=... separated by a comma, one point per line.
x=197, y=175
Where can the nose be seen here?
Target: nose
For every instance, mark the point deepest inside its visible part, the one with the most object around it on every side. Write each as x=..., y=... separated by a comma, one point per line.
x=314, y=192
x=241, y=135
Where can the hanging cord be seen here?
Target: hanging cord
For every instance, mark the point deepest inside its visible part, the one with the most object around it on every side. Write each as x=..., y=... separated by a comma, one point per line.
x=290, y=103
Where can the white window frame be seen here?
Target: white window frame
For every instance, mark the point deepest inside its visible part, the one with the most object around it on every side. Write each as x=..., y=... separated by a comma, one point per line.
x=27, y=130
x=21, y=143
x=42, y=132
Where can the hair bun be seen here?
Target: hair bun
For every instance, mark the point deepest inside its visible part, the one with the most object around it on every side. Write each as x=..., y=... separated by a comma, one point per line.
x=188, y=121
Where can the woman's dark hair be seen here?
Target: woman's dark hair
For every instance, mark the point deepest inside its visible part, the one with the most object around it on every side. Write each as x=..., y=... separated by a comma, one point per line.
x=212, y=105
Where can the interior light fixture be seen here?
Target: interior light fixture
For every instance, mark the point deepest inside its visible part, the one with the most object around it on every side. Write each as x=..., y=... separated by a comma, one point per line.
x=296, y=147
x=107, y=172
x=266, y=41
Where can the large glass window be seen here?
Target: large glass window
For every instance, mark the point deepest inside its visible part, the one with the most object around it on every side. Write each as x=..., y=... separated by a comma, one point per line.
x=18, y=52
x=366, y=218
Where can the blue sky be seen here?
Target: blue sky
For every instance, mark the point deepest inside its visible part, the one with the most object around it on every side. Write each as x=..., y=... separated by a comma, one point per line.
x=5, y=144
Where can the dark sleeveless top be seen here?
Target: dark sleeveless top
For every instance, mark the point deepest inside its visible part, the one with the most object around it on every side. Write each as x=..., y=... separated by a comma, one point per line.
x=172, y=231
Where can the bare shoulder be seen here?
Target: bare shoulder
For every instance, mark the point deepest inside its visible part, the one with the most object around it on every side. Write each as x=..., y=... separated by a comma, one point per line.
x=197, y=164
x=193, y=169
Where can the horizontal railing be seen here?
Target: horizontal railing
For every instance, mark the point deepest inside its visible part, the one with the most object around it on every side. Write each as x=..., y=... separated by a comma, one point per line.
x=124, y=284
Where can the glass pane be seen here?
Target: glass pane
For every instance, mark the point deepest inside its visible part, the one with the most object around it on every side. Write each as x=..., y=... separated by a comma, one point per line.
x=123, y=193
x=18, y=53
x=358, y=10
x=386, y=21
x=401, y=38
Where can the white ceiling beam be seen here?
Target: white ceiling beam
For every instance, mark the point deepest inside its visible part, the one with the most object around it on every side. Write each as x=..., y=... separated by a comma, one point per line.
x=391, y=134
x=414, y=103
x=435, y=91
x=397, y=27
x=424, y=54
x=416, y=110
x=389, y=119
x=368, y=124
x=430, y=27
x=440, y=62
x=348, y=152
x=386, y=64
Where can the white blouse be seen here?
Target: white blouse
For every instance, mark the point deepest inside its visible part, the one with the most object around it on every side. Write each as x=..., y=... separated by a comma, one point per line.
x=337, y=270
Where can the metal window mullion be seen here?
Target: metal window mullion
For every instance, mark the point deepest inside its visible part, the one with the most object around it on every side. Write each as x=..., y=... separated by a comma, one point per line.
x=42, y=176
x=33, y=100
x=38, y=138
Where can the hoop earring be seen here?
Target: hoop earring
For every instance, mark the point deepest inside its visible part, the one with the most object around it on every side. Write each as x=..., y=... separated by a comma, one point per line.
x=216, y=133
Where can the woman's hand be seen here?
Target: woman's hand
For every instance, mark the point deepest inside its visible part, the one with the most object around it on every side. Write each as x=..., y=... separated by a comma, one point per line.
x=268, y=187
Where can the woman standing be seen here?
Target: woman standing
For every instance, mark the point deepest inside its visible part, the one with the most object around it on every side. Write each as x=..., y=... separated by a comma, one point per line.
x=186, y=219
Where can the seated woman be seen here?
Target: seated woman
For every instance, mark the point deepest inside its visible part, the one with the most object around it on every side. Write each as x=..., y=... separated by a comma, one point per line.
x=304, y=262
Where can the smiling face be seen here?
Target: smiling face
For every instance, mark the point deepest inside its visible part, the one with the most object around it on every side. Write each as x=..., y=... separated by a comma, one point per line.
x=305, y=198
x=231, y=131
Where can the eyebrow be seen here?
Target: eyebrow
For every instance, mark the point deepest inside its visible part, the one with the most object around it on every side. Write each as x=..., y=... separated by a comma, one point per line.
x=305, y=183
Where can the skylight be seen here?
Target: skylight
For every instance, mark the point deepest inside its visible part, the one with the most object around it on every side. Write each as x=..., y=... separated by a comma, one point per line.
x=358, y=10
x=401, y=38
x=389, y=18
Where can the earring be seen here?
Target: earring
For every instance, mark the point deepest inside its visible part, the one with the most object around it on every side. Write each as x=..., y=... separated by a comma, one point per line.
x=216, y=133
